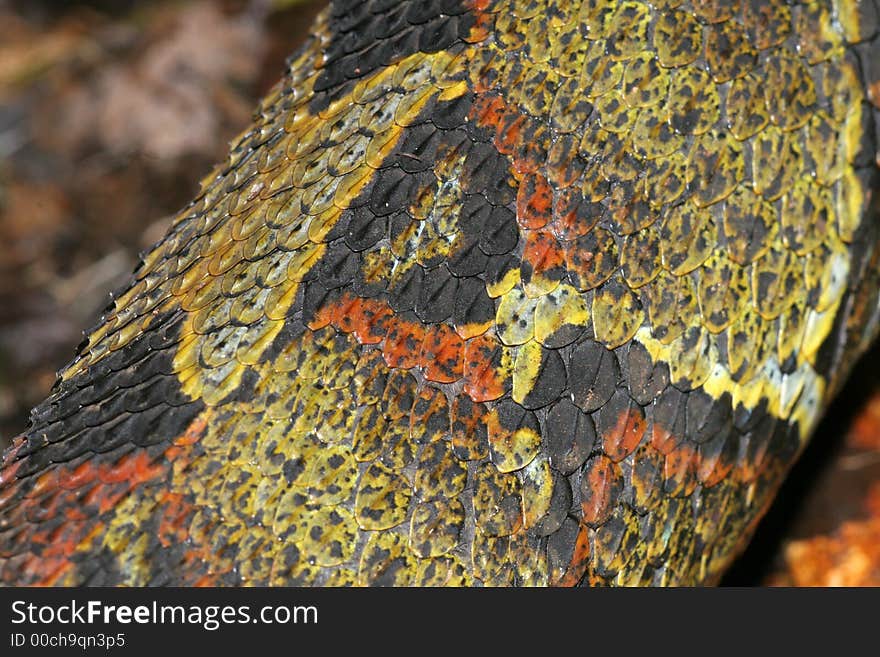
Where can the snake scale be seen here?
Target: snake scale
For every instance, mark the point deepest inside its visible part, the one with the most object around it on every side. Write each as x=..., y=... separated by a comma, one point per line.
x=491, y=292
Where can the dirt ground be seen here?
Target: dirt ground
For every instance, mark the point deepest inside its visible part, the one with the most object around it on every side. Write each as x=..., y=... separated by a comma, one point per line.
x=110, y=113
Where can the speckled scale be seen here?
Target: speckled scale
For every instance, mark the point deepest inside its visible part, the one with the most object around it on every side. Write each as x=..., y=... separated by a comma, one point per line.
x=775, y=281
x=723, y=292
x=591, y=259
x=640, y=258
x=688, y=234
x=646, y=378
x=497, y=501
x=678, y=38
x=746, y=107
x=730, y=53
x=715, y=166
x=436, y=527
x=750, y=225
x=439, y=472
x=694, y=104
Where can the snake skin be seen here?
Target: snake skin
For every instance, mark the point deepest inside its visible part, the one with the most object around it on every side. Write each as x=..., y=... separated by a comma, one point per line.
x=491, y=292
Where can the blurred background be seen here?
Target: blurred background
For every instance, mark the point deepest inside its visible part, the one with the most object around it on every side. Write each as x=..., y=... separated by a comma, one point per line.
x=112, y=111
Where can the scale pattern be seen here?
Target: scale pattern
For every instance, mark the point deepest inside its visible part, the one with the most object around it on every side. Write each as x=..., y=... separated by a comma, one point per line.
x=499, y=292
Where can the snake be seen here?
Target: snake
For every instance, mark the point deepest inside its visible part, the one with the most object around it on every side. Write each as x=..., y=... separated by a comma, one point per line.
x=489, y=293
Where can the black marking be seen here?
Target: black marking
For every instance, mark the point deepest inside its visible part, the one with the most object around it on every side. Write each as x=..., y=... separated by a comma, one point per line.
x=568, y=436
x=513, y=417
x=437, y=296
x=561, y=544
x=467, y=259
x=472, y=304
x=550, y=383
x=367, y=35
x=670, y=412
x=404, y=292
x=593, y=373
x=128, y=397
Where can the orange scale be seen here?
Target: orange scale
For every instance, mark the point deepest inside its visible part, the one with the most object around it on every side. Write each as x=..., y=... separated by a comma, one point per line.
x=403, y=340
x=442, y=355
x=680, y=471
x=193, y=432
x=508, y=131
x=64, y=539
x=749, y=468
x=131, y=468
x=336, y=312
x=74, y=514
x=713, y=469
x=483, y=380
x=489, y=110
x=174, y=517
x=83, y=474
x=711, y=473
x=534, y=202
x=45, y=482
x=107, y=497
x=543, y=252
x=621, y=439
x=322, y=318
x=602, y=483
x=662, y=440
x=371, y=320
x=46, y=572
x=346, y=313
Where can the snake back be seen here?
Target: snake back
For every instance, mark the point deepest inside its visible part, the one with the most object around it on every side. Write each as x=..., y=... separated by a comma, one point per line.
x=498, y=292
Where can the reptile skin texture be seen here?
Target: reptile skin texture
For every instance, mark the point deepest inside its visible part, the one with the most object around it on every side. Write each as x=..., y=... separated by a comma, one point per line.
x=491, y=292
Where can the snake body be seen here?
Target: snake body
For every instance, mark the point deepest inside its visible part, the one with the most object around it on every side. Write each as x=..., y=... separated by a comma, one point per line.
x=491, y=292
